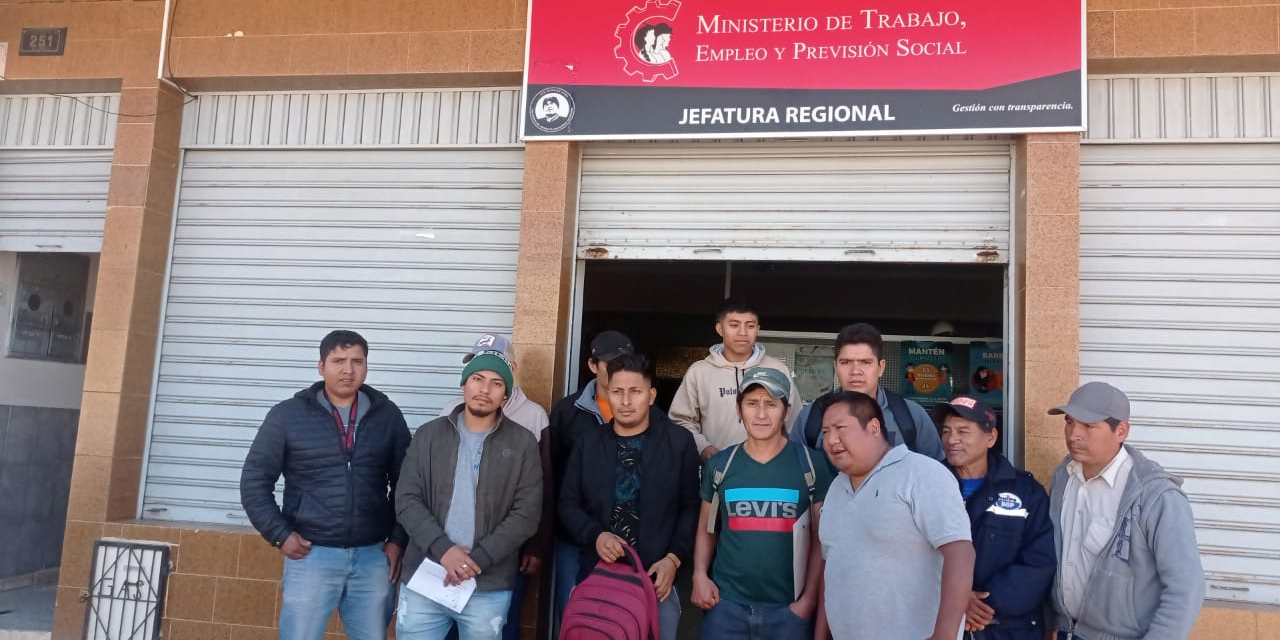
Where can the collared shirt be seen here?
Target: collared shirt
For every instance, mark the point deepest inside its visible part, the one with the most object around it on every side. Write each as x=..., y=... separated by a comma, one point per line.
x=1089, y=511
x=892, y=528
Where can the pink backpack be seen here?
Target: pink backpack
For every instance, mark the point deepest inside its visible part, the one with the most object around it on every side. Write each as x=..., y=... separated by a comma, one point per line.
x=615, y=602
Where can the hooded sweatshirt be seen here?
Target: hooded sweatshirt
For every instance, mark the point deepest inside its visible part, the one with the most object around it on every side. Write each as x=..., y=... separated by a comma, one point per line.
x=706, y=402
x=1148, y=582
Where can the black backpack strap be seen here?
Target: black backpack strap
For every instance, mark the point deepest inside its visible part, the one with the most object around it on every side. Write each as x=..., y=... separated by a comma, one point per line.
x=813, y=421
x=902, y=416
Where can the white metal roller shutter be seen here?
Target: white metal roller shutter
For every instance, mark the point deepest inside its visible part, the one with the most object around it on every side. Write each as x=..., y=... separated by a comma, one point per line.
x=905, y=202
x=415, y=249
x=1180, y=307
x=55, y=165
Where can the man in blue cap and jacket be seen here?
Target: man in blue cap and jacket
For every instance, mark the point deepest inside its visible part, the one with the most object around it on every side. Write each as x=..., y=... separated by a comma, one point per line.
x=1012, y=532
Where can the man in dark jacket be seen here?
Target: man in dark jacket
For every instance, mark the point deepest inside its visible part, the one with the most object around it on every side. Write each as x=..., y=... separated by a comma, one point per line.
x=470, y=495
x=339, y=444
x=635, y=483
x=582, y=412
x=859, y=365
x=1012, y=530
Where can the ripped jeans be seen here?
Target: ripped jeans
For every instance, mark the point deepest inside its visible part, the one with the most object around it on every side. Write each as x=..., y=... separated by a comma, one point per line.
x=418, y=618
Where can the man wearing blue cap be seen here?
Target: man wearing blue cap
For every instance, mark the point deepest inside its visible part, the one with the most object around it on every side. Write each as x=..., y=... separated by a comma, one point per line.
x=1128, y=565
x=470, y=494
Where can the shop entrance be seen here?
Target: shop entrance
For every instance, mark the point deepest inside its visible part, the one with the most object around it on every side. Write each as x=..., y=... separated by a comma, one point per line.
x=668, y=307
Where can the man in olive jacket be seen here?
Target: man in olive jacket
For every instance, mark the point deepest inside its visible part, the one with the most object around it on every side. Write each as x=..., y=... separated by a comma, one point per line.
x=470, y=494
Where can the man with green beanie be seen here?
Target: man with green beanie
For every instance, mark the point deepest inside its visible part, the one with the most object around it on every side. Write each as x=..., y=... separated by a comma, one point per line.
x=470, y=494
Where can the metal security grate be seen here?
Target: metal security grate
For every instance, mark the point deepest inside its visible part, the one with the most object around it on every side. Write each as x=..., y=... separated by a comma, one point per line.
x=126, y=590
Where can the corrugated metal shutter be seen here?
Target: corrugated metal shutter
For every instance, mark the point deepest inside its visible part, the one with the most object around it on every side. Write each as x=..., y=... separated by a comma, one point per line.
x=416, y=249
x=906, y=202
x=55, y=165
x=1180, y=307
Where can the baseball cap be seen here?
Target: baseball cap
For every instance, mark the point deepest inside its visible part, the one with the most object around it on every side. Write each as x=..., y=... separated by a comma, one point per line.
x=773, y=381
x=969, y=408
x=493, y=361
x=491, y=342
x=610, y=344
x=1095, y=402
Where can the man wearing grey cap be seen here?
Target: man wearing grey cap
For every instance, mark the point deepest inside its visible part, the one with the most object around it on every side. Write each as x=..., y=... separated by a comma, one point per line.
x=1128, y=566
x=518, y=406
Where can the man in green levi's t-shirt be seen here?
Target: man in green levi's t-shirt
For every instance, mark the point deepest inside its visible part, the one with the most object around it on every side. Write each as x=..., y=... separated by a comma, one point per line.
x=759, y=522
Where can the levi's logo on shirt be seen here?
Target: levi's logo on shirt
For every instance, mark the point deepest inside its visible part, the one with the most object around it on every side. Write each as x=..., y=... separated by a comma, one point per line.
x=753, y=509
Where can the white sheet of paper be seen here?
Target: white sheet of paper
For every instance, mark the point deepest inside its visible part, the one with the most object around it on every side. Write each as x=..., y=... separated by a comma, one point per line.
x=428, y=582
x=800, y=552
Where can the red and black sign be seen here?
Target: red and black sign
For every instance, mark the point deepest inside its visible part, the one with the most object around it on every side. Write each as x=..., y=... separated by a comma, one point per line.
x=620, y=69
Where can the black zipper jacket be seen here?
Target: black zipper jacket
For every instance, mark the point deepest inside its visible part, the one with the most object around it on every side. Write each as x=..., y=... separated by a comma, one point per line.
x=669, y=501
x=332, y=497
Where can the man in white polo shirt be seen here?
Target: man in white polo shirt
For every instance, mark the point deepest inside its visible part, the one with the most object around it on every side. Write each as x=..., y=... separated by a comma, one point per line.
x=894, y=532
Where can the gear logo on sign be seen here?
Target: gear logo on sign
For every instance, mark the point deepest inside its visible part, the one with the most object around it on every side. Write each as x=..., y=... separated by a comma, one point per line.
x=644, y=41
x=552, y=110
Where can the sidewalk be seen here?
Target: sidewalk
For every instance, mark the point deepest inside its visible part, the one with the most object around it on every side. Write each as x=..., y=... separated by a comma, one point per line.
x=27, y=613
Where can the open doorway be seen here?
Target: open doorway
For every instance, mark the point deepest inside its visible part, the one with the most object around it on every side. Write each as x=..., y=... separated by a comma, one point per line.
x=668, y=308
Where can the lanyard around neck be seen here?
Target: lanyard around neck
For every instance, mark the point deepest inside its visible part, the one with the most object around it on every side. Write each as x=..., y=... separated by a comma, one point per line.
x=348, y=430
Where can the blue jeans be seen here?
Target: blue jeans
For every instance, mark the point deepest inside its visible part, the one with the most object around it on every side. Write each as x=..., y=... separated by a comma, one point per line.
x=357, y=581
x=512, y=630
x=732, y=621
x=669, y=616
x=564, y=579
x=419, y=618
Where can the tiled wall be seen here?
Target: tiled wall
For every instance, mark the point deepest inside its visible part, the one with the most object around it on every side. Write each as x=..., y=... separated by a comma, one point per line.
x=330, y=37
x=1179, y=28
x=226, y=585
x=37, y=446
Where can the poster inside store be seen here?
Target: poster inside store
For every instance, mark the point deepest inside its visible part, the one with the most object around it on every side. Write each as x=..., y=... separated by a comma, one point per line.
x=986, y=372
x=654, y=69
x=927, y=369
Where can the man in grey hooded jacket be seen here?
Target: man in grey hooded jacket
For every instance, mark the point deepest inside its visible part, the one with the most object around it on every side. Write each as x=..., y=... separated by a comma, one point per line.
x=1128, y=565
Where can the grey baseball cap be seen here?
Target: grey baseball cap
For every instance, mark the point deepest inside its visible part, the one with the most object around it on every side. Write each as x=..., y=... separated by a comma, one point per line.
x=490, y=342
x=773, y=381
x=1095, y=402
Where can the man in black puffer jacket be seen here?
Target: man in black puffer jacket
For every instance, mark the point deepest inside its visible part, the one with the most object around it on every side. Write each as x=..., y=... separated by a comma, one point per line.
x=339, y=444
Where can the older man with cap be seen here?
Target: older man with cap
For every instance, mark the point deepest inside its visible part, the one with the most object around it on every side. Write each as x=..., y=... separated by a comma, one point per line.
x=1126, y=543
x=530, y=415
x=470, y=495
x=1009, y=519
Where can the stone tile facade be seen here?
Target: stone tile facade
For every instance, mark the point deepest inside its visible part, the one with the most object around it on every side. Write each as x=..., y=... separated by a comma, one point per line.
x=224, y=580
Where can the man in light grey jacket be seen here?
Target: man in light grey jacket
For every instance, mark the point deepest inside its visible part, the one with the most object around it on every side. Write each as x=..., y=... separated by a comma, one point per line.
x=1128, y=566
